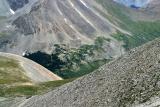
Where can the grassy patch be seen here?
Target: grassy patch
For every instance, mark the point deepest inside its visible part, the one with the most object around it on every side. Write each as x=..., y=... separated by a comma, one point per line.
x=12, y=80
x=83, y=69
x=11, y=72
x=30, y=90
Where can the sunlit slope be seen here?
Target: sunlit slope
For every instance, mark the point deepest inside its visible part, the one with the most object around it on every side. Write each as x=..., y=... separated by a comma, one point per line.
x=143, y=24
x=16, y=69
x=11, y=72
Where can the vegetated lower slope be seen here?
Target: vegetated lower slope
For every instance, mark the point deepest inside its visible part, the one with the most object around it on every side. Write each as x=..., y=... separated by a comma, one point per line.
x=130, y=81
x=11, y=71
x=34, y=71
x=20, y=76
x=74, y=62
x=142, y=23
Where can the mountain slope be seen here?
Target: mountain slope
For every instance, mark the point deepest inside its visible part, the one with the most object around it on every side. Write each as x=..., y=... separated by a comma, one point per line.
x=129, y=81
x=22, y=77
x=35, y=72
x=49, y=23
x=41, y=24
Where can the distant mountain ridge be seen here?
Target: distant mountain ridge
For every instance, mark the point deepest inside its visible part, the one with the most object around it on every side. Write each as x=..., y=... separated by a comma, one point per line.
x=136, y=3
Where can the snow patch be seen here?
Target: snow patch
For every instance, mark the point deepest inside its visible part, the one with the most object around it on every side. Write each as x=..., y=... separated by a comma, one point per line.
x=65, y=20
x=83, y=3
x=79, y=12
x=12, y=12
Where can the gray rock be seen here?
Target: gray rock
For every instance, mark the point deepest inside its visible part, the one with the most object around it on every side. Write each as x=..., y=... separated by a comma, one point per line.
x=129, y=81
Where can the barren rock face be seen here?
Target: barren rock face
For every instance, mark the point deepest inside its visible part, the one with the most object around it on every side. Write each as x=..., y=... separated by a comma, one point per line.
x=130, y=81
x=50, y=22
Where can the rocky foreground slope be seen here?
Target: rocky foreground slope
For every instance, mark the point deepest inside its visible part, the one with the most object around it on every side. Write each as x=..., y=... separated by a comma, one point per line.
x=130, y=81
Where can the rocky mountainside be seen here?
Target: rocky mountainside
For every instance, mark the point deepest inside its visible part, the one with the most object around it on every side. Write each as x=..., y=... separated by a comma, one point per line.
x=73, y=38
x=38, y=25
x=129, y=81
x=48, y=23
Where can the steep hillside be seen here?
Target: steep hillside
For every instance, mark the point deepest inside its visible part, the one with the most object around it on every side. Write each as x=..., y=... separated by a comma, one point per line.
x=142, y=23
x=19, y=75
x=11, y=72
x=32, y=70
x=66, y=31
x=72, y=38
x=129, y=81
x=74, y=26
x=57, y=22
x=41, y=24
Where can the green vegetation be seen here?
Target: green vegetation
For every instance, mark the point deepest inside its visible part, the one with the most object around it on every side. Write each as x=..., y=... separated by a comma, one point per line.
x=11, y=72
x=83, y=69
x=71, y=63
x=30, y=90
x=14, y=83
x=142, y=31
